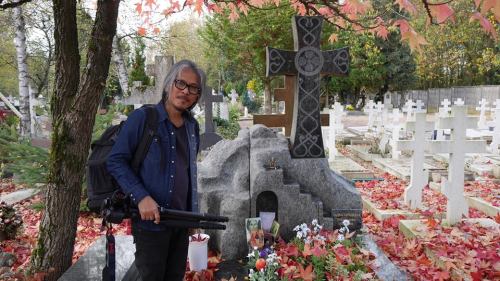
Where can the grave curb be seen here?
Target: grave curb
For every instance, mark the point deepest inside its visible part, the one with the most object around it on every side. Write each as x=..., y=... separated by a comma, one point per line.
x=385, y=214
x=482, y=205
x=364, y=155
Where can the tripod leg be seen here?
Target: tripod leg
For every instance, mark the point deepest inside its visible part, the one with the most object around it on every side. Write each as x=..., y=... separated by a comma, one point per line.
x=132, y=274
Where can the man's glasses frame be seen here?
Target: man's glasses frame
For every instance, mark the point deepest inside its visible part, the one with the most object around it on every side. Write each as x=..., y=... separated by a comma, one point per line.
x=192, y=89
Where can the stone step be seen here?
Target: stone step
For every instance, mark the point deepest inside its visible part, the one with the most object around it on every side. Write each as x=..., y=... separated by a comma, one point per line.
x=19, y=195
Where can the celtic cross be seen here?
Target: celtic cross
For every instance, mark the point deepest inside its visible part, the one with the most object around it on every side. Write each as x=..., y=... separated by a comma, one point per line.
x=307, y=62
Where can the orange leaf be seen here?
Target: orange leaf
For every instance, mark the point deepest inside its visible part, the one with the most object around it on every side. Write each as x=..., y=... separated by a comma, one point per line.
x=156, y=30
x=318, y=251
x=150, y=3
x=431, y=223
x=141, y=31
x=333, y=38
x=307, y=251
x=306, y=274
x=497, y=218
x=442, y=13
x=257, y=3
x=382, y=32
x=423, y=260
x=198, y=7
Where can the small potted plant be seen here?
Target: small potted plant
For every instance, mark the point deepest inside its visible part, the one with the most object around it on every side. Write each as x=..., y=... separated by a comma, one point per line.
x=10, y=221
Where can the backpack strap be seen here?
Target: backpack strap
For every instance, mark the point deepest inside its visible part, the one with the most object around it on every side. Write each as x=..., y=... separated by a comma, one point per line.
x=150, y=129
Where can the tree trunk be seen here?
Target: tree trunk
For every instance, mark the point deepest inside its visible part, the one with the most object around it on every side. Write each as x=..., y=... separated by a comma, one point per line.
x=74, y=105
x=267, y=96
x=120, y=65
x=22, y=71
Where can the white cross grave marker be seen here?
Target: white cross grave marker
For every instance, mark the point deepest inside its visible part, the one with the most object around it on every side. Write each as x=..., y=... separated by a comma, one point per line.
x=234, y=96
x=445, y=110
x=420, y=106
x=459, y=101
x=453, y=189
x=408, y=108
x=335, y=126
x=379, y=115
x=419, y=177
x=495, y=143
x=396, y=128
x=481, y=124
x=370, y=109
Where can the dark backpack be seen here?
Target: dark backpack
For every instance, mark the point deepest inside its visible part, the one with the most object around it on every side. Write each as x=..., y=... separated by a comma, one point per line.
x=100, y=183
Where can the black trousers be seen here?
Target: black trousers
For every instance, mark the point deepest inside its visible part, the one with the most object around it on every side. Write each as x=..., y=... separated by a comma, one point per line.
x=161, y=255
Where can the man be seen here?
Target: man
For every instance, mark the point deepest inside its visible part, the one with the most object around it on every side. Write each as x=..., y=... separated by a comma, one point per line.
x=167, y=176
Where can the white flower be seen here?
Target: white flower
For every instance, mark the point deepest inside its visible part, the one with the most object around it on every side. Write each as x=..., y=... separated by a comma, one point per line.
x=299, y=234
x=255, y=248
x=346, y=223
x=340, y=238
x=341, y=230
x=251, y=254
x=314, y=222
x=296, y=228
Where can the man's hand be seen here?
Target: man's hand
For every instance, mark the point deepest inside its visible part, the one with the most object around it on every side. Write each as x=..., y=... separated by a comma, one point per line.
x=149, y=209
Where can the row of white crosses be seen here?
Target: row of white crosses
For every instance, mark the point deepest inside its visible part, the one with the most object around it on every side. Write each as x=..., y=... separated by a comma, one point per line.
x=453, y=188
x=335, y=126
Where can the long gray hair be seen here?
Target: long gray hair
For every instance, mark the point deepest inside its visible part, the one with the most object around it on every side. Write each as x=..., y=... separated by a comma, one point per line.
x=173, y=74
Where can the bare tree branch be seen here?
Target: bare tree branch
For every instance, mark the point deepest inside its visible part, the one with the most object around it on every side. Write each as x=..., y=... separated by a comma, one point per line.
x=9, y=5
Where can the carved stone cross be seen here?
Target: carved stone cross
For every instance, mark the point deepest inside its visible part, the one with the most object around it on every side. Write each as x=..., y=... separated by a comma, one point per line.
x=307, y=61
x=209, y=137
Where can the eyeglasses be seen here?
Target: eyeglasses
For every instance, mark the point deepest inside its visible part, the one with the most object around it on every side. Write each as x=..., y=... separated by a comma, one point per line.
x=192, y=89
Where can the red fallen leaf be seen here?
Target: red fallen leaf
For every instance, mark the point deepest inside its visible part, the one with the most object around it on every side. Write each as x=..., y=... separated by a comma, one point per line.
x=497, y=218
x=476, y=276
x=292, y=250
x=318, y=251
x=431, y=223
x=442, y=12
x=392, y=222
x=423, y=260
x=141, y=31
x=306, y=274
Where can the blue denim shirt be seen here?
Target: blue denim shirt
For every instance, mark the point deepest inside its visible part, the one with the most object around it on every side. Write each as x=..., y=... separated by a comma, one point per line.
x=152, y=180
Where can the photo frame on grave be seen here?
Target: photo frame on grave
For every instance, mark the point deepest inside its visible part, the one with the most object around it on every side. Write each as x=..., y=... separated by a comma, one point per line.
x=254, y=234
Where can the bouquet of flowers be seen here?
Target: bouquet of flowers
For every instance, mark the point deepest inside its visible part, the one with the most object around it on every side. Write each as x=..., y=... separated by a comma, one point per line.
x=314, y=254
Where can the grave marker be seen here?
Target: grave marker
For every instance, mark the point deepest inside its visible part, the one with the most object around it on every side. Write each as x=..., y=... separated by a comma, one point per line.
x=445, y=110
x=457, y=146
x=408, y=108
x=396, y=128
x=459, y=101
x=335, y=125
x=481, y=124
x=209, y=137
x=495, y=142
x=308, y=61
x=280, y=120
x=370, y=109
x=420, y=106
x=234, y=96
x=419, y=176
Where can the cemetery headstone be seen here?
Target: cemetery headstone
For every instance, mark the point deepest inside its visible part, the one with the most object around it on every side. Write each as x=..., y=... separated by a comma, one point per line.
x=495, y=142
x=459, y=101
x=408, y=108
x=481, y=124
x=209, y=137
x=335, y=126
x=280, y=120
x=370, y=109
x=396, y=130
x=234, y=96
x=150, y=94
x=420, y=106
x=419, y=177
x=308, y=61
x=445, y=110
x=457, y=146
x=224, y=110
x=236, y=180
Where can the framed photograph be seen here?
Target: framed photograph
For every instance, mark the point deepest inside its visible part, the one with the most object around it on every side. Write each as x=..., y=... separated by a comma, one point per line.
x=255, y=233
x=275, y=229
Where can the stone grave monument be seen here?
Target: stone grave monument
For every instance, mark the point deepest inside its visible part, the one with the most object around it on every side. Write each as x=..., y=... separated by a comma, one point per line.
x=307, y=61
x=396, y=130
x=459, y=101
x=258, y=171
x=150, y=94
x=335, y=127
x=445, y=110
x=209, y=137
x=494, y=146
x=370, y=109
